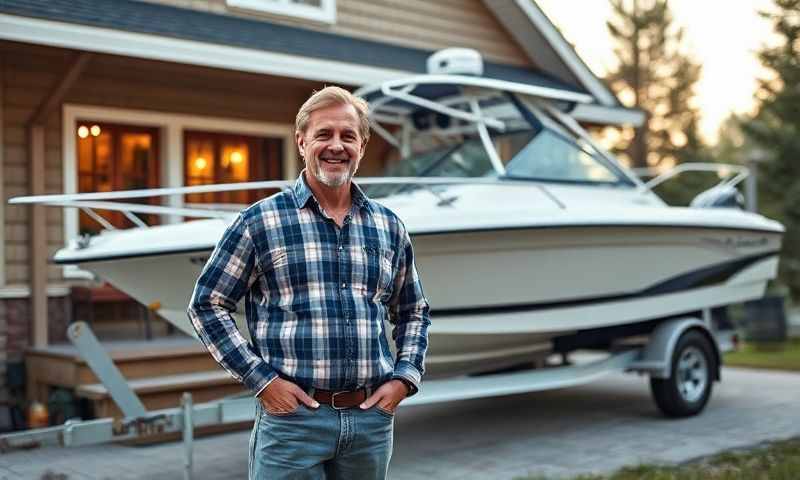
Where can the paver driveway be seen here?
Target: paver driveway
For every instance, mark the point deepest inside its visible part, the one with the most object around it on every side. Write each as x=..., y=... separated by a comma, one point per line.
x=594, y=428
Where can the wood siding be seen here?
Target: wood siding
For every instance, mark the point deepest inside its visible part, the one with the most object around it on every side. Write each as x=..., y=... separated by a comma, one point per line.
x=424, y=24
x=22, y=94
x=111, y=81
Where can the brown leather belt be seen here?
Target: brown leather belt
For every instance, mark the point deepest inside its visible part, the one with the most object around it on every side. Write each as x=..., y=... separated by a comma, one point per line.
x=341, y=399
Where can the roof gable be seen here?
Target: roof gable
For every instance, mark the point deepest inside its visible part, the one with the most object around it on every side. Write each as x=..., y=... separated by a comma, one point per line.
x=547, y=48
x=251, y=34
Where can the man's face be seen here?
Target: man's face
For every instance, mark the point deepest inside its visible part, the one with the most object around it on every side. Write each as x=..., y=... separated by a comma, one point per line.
x=332, y=146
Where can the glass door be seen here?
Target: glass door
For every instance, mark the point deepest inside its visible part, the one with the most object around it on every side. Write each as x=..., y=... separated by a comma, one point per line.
x=113, y=157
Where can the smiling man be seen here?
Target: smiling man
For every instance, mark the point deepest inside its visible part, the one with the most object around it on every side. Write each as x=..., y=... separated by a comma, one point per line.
x=321, y=266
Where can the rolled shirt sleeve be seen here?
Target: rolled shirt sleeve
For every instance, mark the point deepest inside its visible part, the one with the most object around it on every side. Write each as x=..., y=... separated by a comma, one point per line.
x=225, y=279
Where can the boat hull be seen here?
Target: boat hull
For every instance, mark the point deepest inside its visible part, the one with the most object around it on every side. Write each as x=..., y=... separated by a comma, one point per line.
x=499, y=297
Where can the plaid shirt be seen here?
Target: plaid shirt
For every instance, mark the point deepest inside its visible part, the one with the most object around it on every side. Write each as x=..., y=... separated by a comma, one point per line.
x=316, y=295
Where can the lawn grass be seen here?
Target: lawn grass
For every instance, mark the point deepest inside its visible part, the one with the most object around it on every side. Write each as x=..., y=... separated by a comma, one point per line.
x=774, y=461
x=781, y=356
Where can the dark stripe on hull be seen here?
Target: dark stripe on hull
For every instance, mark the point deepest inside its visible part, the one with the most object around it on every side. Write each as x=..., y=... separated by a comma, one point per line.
x=713, y=275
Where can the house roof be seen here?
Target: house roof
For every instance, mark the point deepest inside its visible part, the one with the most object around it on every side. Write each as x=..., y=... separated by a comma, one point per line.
x=163, y=32
x=182, y=23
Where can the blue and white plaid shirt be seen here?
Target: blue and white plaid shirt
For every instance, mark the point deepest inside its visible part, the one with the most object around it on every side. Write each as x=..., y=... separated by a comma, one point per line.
x=316, y=295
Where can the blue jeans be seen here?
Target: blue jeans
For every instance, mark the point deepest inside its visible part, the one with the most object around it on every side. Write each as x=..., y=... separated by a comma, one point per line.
x=321, y=443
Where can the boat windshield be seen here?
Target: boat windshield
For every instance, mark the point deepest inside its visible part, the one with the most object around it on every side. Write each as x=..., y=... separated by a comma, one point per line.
x=534, y=154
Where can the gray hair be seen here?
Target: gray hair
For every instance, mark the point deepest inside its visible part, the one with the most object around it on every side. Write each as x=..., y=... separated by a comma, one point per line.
x=333, y=96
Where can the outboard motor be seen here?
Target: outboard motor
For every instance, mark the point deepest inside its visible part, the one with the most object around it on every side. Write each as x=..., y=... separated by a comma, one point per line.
x=720, y=196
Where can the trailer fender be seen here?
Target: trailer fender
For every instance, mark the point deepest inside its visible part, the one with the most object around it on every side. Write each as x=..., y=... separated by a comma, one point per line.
x=656, y=356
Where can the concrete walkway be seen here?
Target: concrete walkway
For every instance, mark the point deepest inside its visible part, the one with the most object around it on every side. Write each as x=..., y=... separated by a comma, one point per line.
x=596, y=428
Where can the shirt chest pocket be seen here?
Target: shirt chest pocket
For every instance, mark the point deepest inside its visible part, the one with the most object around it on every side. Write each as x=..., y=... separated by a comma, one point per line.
x=287, y=274
x=375, y=273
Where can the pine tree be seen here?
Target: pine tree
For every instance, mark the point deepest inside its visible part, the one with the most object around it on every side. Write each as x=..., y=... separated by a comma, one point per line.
x=655, y=75
x=776, y=130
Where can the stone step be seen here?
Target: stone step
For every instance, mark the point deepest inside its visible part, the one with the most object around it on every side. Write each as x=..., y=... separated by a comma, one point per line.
x=62, y=366
x=165, y=391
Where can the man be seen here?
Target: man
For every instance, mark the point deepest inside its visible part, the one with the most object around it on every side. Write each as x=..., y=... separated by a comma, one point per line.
x=321, y=267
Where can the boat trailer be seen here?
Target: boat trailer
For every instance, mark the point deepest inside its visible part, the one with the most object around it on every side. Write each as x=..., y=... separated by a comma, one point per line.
x=655, y=358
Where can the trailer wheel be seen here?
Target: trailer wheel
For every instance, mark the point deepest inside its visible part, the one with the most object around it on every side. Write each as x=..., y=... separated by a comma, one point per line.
x=688, y=388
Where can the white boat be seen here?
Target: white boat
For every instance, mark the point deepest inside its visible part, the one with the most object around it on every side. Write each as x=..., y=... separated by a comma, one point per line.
x=529, y=238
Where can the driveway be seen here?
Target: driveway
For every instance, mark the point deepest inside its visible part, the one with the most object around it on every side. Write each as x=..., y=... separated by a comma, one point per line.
x=595, y=428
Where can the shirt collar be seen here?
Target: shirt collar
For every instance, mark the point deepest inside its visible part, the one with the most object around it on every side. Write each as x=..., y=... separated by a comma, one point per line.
x=302, y=193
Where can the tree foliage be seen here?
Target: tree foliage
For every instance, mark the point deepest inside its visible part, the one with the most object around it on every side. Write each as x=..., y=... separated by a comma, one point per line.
x=775, y=129
x=657, y=76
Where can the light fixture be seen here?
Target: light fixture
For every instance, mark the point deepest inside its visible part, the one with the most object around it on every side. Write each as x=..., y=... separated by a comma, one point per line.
x=83, y=132
x=200, y=163
x=236, y=157
x=95, y=130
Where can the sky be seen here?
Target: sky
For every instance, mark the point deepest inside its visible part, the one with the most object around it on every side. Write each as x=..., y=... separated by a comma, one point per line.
x=722, y=35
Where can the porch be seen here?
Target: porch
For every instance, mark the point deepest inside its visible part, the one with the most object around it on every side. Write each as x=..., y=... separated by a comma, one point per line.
x=159, y=371
x=109, y=122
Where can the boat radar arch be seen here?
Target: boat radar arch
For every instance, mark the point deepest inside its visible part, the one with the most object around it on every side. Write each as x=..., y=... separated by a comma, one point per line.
x=456, y=61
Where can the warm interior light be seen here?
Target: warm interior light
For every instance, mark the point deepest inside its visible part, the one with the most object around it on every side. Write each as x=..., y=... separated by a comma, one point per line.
x=95, y=130
x=83, y=132
x=236, y=157
x=200, y=163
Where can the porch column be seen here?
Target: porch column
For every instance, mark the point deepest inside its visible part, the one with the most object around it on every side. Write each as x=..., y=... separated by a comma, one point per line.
x=2, y=162
x=38, y=220
x=38, y=239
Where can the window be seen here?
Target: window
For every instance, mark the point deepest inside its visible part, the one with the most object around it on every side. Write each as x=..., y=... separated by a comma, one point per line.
x=212, y=158
x=318, y=10
x=114, y=157
x=541, y=155
x=549, y=156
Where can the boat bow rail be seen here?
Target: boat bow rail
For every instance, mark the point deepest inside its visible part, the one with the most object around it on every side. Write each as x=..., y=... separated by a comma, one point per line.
x=730, y=174
x=89, y=202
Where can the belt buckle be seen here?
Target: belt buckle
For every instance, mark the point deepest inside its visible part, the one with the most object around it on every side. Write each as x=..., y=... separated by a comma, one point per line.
x=333, y=400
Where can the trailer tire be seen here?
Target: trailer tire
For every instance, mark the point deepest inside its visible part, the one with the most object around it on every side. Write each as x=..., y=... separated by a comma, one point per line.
x=688, y=388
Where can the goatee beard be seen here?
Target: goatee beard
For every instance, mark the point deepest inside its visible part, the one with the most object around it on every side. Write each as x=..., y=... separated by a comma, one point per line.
x=332, y=181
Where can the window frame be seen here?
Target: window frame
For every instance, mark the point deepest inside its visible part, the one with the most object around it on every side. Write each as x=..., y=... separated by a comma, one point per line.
x=257, y=162
x=117, y=129
x=171, y=126
x=325, y=13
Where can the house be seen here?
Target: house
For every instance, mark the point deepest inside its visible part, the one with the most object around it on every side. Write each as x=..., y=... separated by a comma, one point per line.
x=100, y=95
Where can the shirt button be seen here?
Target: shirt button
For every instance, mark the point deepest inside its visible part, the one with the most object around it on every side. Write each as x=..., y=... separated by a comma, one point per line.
x=344, y=285
x=341, y=248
